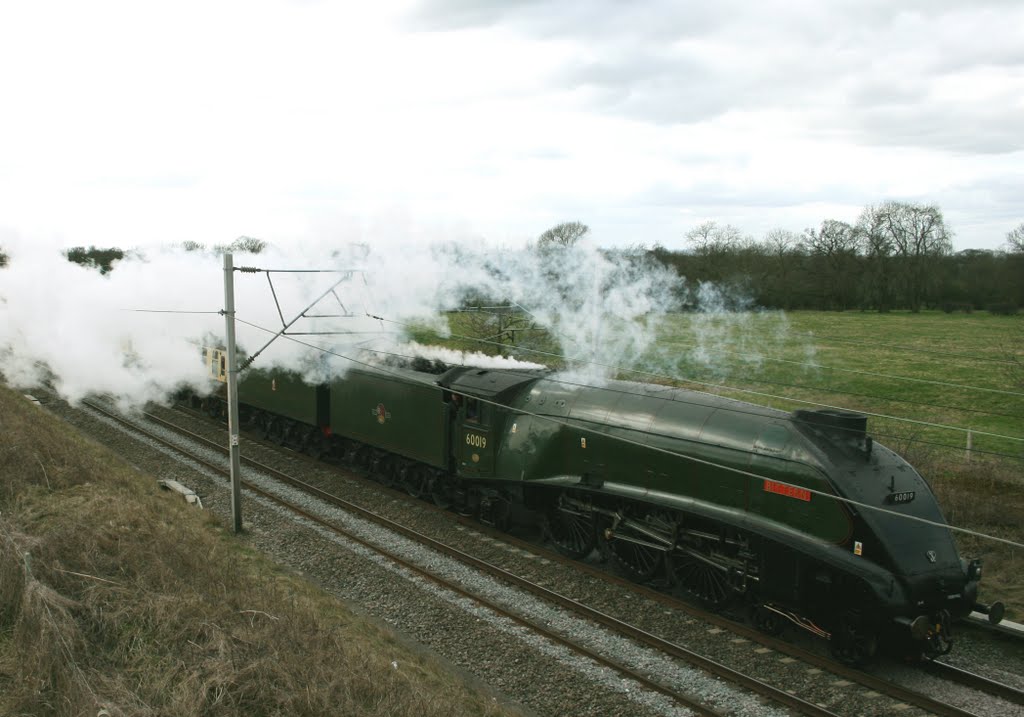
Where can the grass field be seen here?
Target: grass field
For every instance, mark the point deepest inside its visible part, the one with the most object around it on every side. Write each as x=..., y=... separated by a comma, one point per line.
x=949, y=369
x=929, y=378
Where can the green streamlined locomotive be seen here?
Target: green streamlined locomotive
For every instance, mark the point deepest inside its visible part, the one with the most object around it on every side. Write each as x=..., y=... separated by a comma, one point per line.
x=800, y=516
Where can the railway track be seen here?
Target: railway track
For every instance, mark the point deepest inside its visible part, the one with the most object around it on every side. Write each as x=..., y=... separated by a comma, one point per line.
x=939, y=669
x=1007, y=628
x=882, y=686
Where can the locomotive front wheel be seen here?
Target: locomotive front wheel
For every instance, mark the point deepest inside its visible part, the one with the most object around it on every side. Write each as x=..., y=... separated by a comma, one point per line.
x=212, y=407
x=855, y=640
x=570, y=530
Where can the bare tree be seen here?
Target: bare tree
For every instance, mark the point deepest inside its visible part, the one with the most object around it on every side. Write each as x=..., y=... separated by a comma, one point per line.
x=920, y=236
x=1015, y=239
x=832, y=251
x=711, y=238
x=904, y=243
x=878, y=250
x=783, y=252
x=565, y=235
x=252, y=245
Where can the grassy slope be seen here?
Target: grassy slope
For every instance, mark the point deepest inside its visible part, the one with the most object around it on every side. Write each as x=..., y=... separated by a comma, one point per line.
x=136, y=603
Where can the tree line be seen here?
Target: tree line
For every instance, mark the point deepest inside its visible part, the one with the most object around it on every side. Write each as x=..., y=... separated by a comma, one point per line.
x=895, y=256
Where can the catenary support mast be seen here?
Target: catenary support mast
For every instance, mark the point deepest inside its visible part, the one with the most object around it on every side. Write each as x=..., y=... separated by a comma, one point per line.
x=232, y=380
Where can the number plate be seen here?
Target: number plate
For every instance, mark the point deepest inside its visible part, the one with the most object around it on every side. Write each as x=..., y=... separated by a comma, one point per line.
x=898, y=498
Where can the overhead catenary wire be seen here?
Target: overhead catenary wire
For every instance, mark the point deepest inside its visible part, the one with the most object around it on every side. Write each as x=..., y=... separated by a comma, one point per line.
x=894, y=399
x=732, y=409
x=876, y=374
x=170, y=311
x=917, y=440
x=657, y=449
x=751, y=392
x=907, y=349
x=824, y=389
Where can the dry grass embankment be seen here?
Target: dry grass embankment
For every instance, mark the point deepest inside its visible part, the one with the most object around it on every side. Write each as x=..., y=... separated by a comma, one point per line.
x=132, y=602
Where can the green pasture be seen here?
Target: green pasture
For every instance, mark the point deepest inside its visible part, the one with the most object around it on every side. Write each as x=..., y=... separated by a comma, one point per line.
x=935, y=375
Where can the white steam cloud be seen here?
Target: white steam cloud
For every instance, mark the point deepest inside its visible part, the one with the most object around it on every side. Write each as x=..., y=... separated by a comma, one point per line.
x=85, y=332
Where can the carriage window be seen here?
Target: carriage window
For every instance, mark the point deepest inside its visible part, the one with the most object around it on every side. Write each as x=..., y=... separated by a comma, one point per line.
x=472, y=409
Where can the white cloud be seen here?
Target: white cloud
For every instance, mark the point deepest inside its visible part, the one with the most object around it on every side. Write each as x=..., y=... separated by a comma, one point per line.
x=131, y=123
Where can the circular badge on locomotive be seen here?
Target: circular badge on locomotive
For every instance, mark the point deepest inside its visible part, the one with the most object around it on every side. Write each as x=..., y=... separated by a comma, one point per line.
x=381, y=413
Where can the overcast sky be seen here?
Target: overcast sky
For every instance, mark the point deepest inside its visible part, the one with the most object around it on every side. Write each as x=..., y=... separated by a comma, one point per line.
x=142, y=123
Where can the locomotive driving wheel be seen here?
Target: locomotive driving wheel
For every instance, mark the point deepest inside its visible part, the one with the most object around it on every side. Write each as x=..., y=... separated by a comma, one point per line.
x=635, y=552
x=314, y=444
x=640, y=562
x=570, y=528
x=705, y=581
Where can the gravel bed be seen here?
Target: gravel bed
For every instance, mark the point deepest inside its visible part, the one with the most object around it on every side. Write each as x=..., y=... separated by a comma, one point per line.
x=811, y=683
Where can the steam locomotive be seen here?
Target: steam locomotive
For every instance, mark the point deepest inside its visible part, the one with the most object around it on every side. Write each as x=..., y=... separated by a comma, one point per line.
x=801, y=518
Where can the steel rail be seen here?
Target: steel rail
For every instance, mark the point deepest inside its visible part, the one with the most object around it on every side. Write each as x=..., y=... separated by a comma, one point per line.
x=1006, y=629
x=878, y=684
x=975, y=681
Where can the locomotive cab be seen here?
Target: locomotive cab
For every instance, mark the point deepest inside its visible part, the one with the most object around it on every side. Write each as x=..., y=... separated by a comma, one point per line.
x=479, y=396
x=474, y=449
